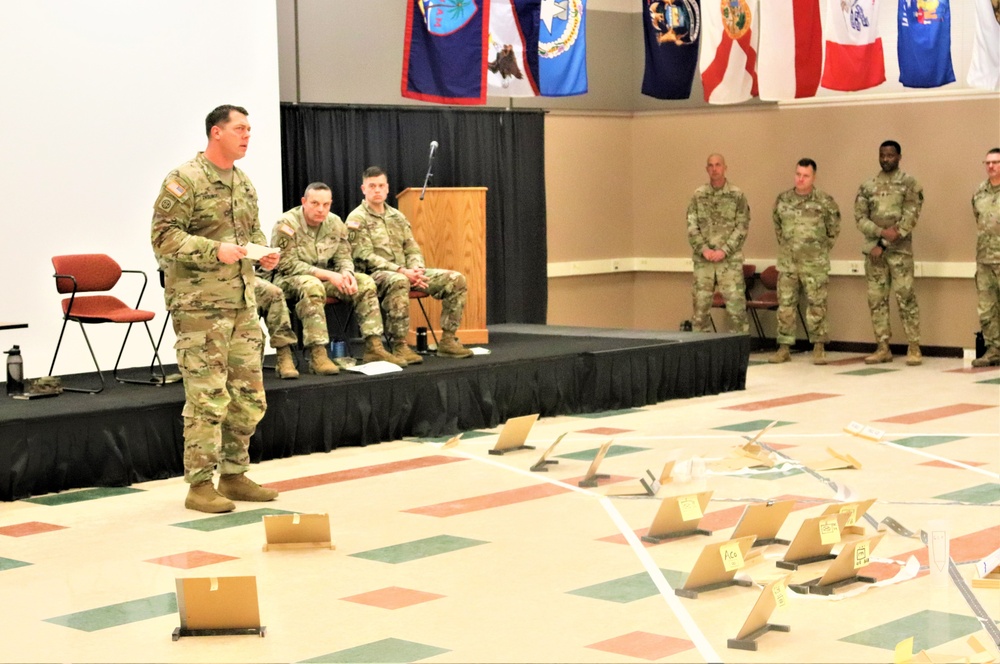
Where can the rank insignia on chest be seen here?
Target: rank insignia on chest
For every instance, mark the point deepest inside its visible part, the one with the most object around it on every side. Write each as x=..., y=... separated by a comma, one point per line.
x=175, y=188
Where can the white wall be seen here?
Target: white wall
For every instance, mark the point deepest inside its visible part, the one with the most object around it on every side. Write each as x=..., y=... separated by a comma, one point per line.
x=101, y=100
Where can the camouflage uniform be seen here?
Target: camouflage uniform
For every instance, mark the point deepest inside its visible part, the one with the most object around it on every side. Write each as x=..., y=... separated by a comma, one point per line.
x=214, y=311
x=986, y=207
x=271, y=305
x=382, y=244
x=303, y=249
x=806, y=228
x=719, y=219
x=890, y=199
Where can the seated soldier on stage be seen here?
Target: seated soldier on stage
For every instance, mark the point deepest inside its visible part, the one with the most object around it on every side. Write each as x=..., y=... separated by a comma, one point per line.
x=271, y=305
x=312, y=240
x=384, y=247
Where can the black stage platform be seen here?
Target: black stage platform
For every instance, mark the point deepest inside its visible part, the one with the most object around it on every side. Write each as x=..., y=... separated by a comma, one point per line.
x=133, y=433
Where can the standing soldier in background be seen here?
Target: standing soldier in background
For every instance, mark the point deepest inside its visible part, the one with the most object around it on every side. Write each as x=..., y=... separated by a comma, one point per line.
x=718, y=219
x=986, y=208
x=205, y=213
x=316, y=264
x=886, y=210
x=806, y=224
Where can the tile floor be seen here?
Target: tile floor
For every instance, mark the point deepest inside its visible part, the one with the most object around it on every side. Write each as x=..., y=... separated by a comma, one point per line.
x=455, y=555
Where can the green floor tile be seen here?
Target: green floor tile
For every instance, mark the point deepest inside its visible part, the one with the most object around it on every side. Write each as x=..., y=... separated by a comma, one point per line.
x=385, y=651
x=924, y=441
x=775, y=474
x=609, y=413
x=873, y=371
x=983, y=494
x=230, y=520
x=929, y=629
x=989, y=381
x=80, y=496
x=753, y=425
x=114, y=615
x=630, y=588
x=754, y=363
x=10, y=563
x=427, y=439
x=422, y=548
x=477, y=434
x=613, y=451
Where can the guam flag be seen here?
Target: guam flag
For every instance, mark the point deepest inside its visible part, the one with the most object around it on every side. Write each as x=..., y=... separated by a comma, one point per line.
x=672, y=29
x=443, y=55
x=924, y=45
x=562, y=48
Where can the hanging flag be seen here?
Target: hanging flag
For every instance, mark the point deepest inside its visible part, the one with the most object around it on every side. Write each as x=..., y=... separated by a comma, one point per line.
x=791, y=49
x=729, y=51
x=984, y=72
x=671, y=28
x=444, y=51
x=854, y=59
x=562, y=48
x=924, y=43
x=512, y=56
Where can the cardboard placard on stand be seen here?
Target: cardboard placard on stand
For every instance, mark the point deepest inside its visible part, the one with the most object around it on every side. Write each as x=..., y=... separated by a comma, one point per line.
x=855, y=511
x=771, y=597
x=764, y=520
x=542, y=465
x=452, y=442
x=852, y=557
x=217, y=606
x=814, y=541
x=836, y=461
x=716, y=567
x=989, y=572
x=590, y=479
x=514, y=435
x=650, y=488
x=297, y=531
x=679, y=516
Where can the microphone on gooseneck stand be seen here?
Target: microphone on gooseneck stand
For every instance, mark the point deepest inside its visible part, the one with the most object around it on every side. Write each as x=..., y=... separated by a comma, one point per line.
x=430, y=164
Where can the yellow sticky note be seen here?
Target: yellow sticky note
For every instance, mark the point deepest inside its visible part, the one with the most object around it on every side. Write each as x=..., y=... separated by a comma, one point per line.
x=852, y=510
x=904, y=651
x=829, y=531
x=780, y=594
x=732, y=557
x=861, y=552
x=690, y=508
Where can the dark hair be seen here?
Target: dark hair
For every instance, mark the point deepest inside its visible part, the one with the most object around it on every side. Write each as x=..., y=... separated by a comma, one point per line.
x=806, y=161
x=372, y=172
x=994, y=151
x=892, y=144
x=219, y=117
x=317, y=186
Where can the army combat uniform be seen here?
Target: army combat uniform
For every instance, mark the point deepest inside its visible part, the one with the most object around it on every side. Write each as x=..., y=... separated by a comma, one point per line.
x=214, y=312
x=806, y=228
x=986, y=208
x=890, y=199
x=271, y=305
x=719, y=219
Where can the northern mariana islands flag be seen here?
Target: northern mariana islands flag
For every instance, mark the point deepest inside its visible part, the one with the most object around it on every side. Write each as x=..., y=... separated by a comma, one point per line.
x=924, y=45
x=562, y=48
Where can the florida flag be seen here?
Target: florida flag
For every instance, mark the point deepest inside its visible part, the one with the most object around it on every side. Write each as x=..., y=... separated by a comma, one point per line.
x=512, y=56
x=984, y=72
x=728, y=57
x=791, y=49
x=854, y=59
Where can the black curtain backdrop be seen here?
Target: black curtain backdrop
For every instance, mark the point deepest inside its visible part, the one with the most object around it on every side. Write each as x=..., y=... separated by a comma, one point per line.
x=502, y=150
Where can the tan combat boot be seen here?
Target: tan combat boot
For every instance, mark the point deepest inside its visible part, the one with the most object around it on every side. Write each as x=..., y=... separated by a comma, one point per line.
x=376, y=352
x=402, y=350
x=819, y=353
x=285, y=364
x=989, y=358
x=204, y=498
x=783, y=355
x=241, y=487
x=913, y=356
x=881, y=354
x=449, y=346
x=319, y=362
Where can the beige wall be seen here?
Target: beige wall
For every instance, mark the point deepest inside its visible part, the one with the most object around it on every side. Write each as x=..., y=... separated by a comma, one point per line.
x=618, y=186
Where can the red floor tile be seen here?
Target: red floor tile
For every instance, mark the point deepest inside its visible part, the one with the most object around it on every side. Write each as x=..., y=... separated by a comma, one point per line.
x=392, y=597
x=191, y=559
x=783, y=401
x=944, y=464
x=29, y=528
x=489, y=500
x=362, y=472
x=644, y=645
x=965, y=549
x=973, y=370
x=605, y=431
x=936, y=413
x=860, y=359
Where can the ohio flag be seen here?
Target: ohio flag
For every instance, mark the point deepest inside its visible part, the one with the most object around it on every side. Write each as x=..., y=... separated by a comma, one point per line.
x=729, y=50
x=924, y=45
x=854, y=59
x=791, y=49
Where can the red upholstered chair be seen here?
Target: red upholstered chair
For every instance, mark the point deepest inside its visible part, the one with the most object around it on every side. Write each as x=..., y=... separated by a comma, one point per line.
x=749, y=274
x=95, y=273
x=768, y=299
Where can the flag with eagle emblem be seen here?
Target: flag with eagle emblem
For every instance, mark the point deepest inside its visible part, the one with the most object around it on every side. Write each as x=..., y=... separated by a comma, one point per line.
x=854, y=59
x=672, y=29
x=512, y=54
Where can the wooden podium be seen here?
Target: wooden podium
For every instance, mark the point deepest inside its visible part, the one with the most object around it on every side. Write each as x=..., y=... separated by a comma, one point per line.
x=450, y=227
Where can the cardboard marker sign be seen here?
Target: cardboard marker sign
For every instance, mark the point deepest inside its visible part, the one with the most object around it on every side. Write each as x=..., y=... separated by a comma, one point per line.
x=732, y=557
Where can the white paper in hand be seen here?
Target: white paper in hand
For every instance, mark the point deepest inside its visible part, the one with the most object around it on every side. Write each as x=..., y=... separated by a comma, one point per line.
x=257, y=251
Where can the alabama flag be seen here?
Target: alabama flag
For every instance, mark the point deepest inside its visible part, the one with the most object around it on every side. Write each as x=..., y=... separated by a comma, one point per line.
x=512, y=56
x=854, y=59
x=791, y=49
x=729, y=51
x=984, y=72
